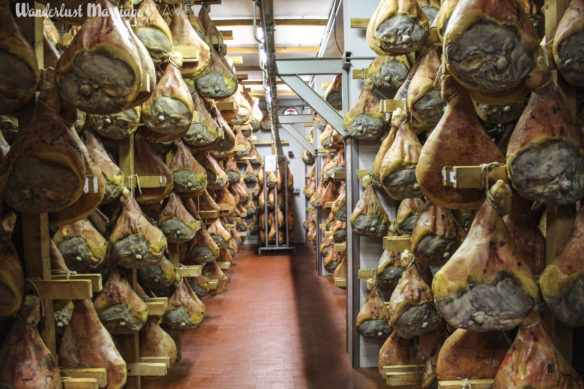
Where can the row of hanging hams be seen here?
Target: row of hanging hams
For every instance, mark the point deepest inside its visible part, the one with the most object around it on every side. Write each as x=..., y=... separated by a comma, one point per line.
x=66, y=161
x=475, y=273
x=271, y=226
x=329, y=195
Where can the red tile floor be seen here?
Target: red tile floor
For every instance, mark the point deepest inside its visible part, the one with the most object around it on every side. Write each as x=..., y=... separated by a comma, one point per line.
x=278, y=325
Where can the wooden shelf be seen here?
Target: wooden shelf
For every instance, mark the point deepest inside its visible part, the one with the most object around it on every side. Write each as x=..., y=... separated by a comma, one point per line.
x=340, y=247
x=190, y=271
x=390, y=105
x=227, y=35
x=359, y=74
x=97, y=374
x=340, y=282
x=466, y=177
x=189, y=53
x=340, y=175
x=95, y=278
x=400, y=376
x=225, y=105
x=157, y=306
x=461, y=384
x=146, y=181
x=146, y=369
x=359, y=22
x=397, y=243
x=209, y=214
x=242, y=77
x=362, y=173
x=164, y=360
x=64, y=289
x=237, y=59
x=79, y=383
x=224, y=265
x=267, y=142
x=365, y=274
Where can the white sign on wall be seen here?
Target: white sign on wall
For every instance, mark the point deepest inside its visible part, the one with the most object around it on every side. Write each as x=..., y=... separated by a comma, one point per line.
x=270, y=163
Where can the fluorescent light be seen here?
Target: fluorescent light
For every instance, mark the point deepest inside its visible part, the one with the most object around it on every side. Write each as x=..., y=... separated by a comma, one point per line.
x=261, y=34
x=263, y=56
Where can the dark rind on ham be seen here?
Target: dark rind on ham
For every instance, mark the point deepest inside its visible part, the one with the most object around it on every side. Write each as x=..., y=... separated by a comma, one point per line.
x=551, y=171
x=494, y=65
x=500, y=305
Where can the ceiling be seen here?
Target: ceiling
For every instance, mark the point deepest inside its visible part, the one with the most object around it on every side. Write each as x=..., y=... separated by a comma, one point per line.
x=300, y=32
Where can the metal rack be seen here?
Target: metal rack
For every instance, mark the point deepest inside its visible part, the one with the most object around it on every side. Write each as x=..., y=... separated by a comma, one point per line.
x=267, y=247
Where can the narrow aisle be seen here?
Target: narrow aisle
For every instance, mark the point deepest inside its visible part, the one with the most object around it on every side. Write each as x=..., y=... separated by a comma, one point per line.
x=278, y=325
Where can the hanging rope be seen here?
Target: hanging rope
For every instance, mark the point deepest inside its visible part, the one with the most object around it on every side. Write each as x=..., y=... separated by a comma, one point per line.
x=530, y=326
x=485, y=169
x=38, y=293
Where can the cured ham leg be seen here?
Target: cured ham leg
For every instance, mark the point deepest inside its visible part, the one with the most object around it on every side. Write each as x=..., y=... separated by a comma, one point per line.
x=436, y=235
x=100, y=72
x=119, y=308
x=87, y=344
x=398, y=168
x=457, y=140
x=19, y=72
x=397, y=27
x=83, y=247
x=471, y=355
x=562, y=282
x=27, y=363
x=534, y=362
x=567, y=42
x=155, y=342
x=490, y=47
x=389, y=272
x=486, y=285
x=134, y=241
x=371, y=321
x=11, y=279
x=386, y=74
x=545, y=158
x=365, y=121
x=407, y=214
x=368, y=217
x=185, y=310
x=411, y=309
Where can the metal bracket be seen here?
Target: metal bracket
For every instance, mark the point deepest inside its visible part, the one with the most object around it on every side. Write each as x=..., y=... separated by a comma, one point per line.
x=289, y=69
x=319, y=104
x=291, y=119
x=299, y=138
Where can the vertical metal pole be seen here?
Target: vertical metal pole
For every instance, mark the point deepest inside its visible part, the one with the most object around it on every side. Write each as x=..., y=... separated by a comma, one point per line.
x=286, y=206
x=318, y=221
x=276, y=205
x=265, y=207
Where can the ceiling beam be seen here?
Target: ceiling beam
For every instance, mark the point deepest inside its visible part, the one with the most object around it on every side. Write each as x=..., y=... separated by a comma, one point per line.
x=282, y=93
x=259, y=82
x=227, y=35
x=279, y=22
x=248, y=68
x=279, y=49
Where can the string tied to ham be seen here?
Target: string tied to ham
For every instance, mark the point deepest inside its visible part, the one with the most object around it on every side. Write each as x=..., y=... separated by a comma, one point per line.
x=466, y=384
x=532, y=325
x=549, y=81
x=485, y=168
x=42, y=303
x=67, y=273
